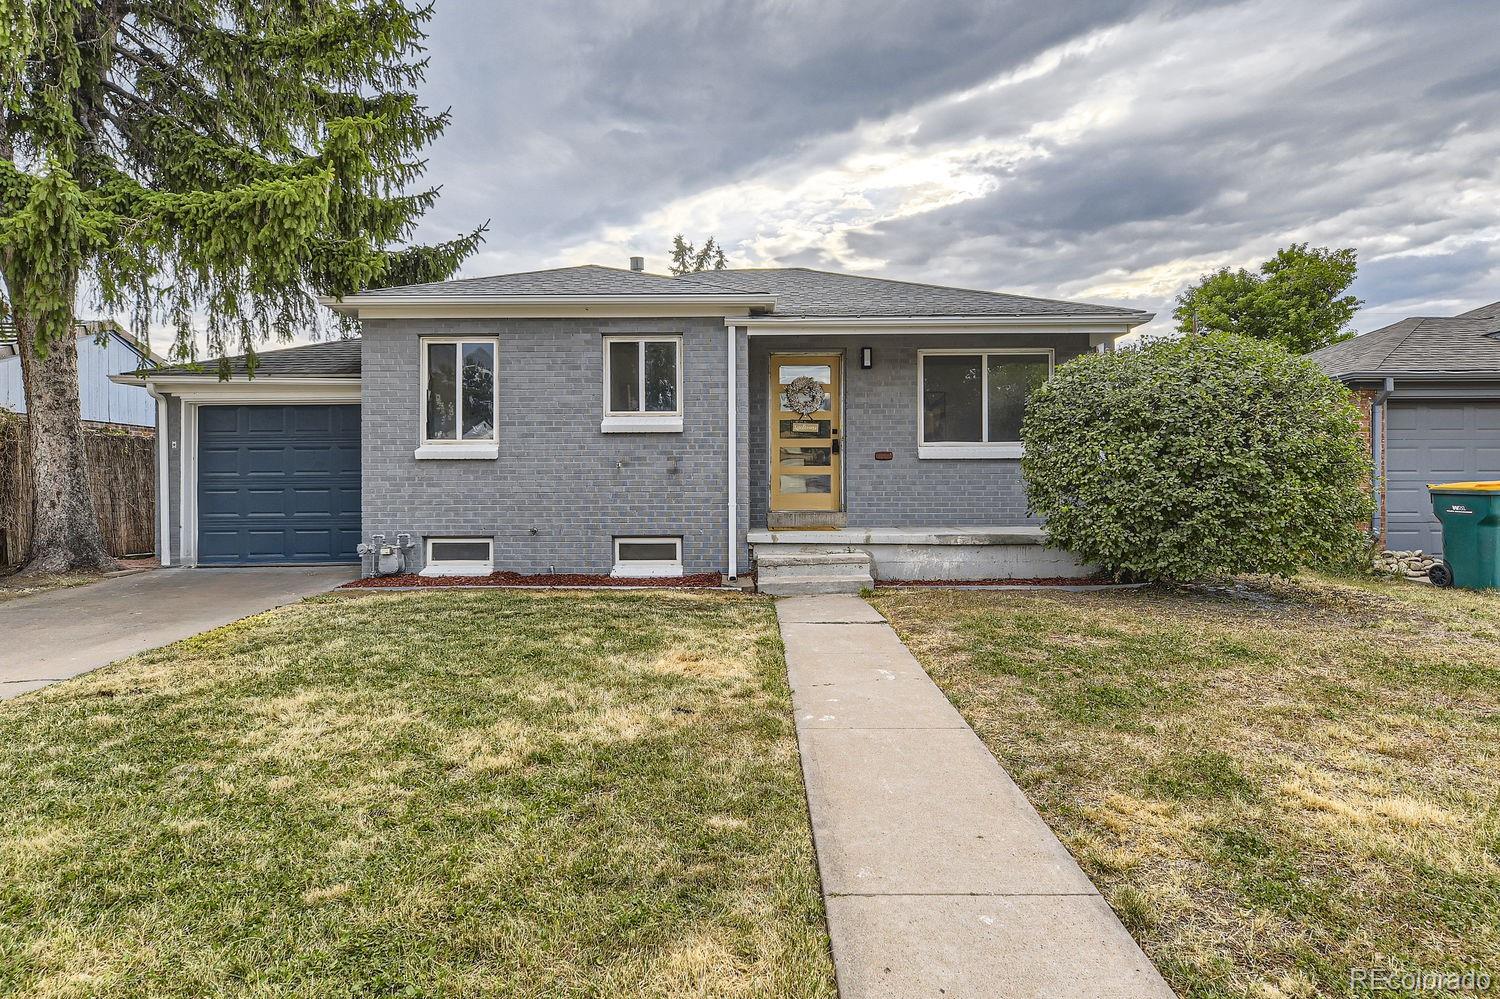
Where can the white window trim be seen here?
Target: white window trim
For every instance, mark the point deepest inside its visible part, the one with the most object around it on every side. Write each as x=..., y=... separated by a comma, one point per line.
x=972, y=449
x=647, y=569
x=470, y=449
x=454, y=567
x=639, y=421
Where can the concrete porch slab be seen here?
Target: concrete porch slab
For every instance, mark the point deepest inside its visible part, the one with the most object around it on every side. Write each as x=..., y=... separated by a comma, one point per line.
x=1018, y=534
x=984, y=947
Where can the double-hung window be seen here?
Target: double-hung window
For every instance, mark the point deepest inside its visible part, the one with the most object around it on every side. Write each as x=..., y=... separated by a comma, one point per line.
x=460, y=398
x=972, y=401
x=642, y=384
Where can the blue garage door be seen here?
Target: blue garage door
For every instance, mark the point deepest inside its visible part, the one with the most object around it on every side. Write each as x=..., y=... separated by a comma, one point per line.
x=278, y=484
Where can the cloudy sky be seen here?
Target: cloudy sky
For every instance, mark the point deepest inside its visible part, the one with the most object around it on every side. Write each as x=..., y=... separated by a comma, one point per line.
x=1108, y=150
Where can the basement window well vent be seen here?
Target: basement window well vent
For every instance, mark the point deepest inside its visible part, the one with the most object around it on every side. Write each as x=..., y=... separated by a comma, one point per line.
x=638, y=557
x=459, y=557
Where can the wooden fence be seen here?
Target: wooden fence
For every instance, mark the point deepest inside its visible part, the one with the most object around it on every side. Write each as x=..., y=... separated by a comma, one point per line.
x=121, y=470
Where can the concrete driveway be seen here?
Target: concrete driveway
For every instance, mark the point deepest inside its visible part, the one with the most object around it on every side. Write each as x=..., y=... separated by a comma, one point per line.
x=53, y=636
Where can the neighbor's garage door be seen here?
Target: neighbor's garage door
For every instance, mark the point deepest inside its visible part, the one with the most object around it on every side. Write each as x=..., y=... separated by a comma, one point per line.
x=278, y=484
x=1434, y=442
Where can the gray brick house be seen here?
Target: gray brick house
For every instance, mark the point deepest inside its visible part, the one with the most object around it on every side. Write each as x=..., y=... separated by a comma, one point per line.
x=596, y=420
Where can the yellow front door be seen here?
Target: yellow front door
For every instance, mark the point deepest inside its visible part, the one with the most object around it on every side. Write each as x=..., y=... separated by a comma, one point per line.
x=806, y=471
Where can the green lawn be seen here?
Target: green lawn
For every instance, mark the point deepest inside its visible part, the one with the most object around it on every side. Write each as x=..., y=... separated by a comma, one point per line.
x=1272, y=786
x=429, y=794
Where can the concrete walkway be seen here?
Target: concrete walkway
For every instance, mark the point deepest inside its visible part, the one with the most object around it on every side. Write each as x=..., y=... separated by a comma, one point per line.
x=939, y=877
x=56, y=635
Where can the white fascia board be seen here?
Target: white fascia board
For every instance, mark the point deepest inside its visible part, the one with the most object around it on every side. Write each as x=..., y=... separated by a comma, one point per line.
x=439, y=306
x=877, y=325
x=268, y=390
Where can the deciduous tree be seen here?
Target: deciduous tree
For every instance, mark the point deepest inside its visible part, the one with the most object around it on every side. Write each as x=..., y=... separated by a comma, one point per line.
x=1296, y=299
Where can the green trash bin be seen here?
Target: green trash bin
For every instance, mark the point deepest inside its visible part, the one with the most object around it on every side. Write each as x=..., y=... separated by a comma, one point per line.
x=1470, y=515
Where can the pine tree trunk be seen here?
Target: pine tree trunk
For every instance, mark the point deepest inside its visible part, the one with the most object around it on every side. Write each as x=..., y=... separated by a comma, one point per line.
x=65, y=535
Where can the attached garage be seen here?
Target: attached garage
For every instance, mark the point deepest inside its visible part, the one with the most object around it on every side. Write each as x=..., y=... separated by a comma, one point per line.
x=261, y=471
x=1434, y=441
x=1429, y=389
x=277, y=484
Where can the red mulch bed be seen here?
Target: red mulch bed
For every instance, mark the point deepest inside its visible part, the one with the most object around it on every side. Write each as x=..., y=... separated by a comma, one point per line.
x=1050, y=581
x=697, y=580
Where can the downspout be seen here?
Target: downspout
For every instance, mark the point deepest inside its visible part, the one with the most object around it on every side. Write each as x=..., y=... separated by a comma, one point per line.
x=732, y=356
x=1377, y=457
x=163, y=493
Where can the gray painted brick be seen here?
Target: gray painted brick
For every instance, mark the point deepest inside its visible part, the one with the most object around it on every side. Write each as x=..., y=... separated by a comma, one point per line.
x=880, y=414
x=561, y=490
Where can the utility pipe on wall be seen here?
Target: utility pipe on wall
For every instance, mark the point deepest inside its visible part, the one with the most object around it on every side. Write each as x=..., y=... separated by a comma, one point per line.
x=732, y=356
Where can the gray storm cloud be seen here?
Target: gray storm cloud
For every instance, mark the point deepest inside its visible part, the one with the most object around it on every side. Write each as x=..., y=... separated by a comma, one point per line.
x=1111, y=150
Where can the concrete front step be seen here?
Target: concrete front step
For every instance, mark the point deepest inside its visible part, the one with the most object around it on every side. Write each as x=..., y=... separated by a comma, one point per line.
x=792, y=573
x=811, y=585
x=776, y=557
x=808, y=566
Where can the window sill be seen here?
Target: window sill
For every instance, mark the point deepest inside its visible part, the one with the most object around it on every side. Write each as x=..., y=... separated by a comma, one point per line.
x=645, y=570
x=458, y=569
x=428, y=452
x=641, y=425
x=970, y=451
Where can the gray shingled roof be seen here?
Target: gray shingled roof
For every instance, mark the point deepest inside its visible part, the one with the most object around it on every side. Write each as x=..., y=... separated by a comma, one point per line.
x=1468, y=344
x=332, y=359
x=1491, y=311
x=799, y=291
x=589, y=279
x=803, y=292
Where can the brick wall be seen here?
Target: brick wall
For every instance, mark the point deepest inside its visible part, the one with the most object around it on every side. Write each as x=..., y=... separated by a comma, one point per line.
x=561, y=489
x=1364, y=400
x=880, y=414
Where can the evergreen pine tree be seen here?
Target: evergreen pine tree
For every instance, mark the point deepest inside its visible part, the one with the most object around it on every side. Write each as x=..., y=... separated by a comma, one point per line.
x=197, y=162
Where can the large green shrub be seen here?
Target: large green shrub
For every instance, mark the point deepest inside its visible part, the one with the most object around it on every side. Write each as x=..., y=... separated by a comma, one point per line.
x=1201, y=456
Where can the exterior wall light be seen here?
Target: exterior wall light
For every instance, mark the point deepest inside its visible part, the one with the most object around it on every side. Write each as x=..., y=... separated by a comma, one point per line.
x=866, y=357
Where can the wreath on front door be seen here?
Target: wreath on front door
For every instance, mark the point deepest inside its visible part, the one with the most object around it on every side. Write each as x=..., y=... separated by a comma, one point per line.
x=804, y=396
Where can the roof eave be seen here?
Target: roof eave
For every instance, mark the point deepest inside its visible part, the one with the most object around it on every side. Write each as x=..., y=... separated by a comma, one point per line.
x=1432, y=376
x=1128, y=320
x=351, y=304
x=149, y=379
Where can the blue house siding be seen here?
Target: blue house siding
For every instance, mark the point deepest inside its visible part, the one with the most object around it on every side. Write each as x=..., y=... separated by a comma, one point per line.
x=100, y=400
x=561, y=490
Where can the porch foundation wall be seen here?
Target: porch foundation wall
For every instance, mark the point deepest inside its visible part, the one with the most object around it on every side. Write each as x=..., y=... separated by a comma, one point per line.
x=935, y=554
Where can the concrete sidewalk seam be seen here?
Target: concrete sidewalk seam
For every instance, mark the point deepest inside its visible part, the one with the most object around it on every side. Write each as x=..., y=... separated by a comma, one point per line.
x=963, y=894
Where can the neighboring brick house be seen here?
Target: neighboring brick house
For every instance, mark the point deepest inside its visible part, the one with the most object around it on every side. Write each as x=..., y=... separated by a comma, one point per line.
x=595, y=420
x=1428, y=389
